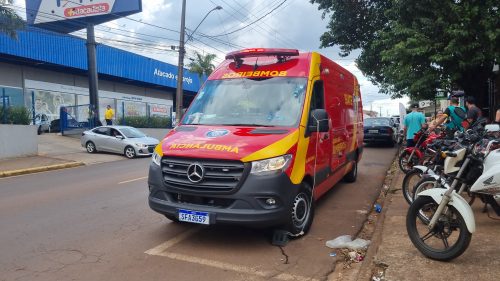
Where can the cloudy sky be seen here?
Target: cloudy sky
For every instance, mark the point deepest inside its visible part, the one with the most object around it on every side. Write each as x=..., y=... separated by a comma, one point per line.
x=239, y=24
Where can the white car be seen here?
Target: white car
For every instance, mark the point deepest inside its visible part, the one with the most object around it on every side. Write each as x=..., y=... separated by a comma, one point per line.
x=118, y=139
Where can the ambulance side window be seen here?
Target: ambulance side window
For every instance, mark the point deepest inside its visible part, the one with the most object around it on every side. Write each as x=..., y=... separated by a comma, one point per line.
x=317, y=101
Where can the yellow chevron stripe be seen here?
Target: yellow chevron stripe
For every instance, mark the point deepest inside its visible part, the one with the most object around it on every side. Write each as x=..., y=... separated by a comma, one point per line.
x=276, y=149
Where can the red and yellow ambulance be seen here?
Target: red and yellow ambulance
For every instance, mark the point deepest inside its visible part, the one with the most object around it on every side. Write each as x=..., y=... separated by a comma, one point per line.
x=270, y=132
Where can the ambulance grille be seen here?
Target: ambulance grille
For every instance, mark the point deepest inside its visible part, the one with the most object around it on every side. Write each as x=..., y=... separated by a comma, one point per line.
x=220, y=176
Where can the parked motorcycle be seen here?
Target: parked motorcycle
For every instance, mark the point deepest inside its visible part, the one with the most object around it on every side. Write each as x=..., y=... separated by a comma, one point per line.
x=440, y=222
x=416, y=155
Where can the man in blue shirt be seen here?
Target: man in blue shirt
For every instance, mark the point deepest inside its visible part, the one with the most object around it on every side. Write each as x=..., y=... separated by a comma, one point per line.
x=413, y=123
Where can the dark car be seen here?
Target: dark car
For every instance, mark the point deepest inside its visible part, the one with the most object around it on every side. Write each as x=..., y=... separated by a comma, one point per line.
x=379, y=130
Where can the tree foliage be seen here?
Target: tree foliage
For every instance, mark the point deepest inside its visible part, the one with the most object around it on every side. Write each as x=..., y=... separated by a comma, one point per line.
x=10, y=22
x=416, y=47
x=202, y=65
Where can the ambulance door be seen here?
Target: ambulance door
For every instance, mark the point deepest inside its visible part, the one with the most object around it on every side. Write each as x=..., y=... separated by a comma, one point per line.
x=320, y=143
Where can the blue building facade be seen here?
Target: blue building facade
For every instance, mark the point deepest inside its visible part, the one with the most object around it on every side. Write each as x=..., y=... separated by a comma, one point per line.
x=53, y=68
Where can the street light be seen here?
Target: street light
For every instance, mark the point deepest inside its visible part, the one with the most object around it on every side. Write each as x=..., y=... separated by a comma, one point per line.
x=180, y=69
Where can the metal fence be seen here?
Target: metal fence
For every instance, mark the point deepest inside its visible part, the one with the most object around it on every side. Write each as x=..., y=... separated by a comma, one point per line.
x=73, y=120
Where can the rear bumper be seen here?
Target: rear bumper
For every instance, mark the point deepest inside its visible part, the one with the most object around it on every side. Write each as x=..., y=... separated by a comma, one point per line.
x=246, y=206
x=368, y=138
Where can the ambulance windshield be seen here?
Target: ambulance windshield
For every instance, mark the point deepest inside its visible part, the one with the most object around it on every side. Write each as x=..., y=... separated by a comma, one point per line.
x=248, y=102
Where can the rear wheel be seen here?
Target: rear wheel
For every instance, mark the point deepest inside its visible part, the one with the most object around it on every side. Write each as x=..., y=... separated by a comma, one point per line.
x=353, y=174
x=129, y=152
x=301, y=212
x=90, y=146
x=39, y=131
x=447, y=240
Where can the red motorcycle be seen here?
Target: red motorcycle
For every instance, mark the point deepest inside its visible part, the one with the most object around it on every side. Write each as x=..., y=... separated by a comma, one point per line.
x=418, y=154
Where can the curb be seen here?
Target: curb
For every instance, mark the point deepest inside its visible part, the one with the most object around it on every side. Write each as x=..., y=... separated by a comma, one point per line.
x=369, y=264
x=40, y=169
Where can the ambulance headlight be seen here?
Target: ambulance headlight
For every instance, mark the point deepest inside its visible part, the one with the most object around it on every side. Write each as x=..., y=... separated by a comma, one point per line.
x=156, y=158
x=271, y=165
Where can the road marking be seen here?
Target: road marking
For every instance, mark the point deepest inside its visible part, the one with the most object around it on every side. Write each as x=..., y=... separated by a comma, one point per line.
x=156, y=251
x=160, y=250
x=141, y=178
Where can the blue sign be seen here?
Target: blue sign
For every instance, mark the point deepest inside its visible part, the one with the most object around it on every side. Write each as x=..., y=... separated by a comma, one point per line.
x=71, y=15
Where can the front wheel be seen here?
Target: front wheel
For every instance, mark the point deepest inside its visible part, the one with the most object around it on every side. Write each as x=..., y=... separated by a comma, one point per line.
x=409, y=182
x=129, y=152
x=405, y=163
x=447, y=240
x=301, y=212
x=90, y=146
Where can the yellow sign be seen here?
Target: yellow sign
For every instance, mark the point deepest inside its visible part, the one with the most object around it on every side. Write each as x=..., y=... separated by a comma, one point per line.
x=216, y=147
x=348, y=99
x=274, y=73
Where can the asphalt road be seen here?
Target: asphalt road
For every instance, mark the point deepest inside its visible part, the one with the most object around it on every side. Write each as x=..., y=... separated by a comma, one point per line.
x=93, y=223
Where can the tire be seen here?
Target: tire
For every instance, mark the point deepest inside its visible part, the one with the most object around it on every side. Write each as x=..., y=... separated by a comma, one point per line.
x=401, y=161
x=39, y=131
x=408, y=186
x=353, y=173
x=446, y=226
x=301, y=212
x=424, y=184
x=129, y=152
x=90, y=146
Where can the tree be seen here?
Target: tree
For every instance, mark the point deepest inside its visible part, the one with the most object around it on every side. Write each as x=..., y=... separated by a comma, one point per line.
x=202, y=65
x=10, y=22
x=416, y=47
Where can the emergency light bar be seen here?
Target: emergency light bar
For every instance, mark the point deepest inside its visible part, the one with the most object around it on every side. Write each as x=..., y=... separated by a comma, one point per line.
x=257, y=52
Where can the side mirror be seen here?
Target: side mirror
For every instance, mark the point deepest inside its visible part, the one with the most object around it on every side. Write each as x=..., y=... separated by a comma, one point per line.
x=119, y=137
x=318, y=121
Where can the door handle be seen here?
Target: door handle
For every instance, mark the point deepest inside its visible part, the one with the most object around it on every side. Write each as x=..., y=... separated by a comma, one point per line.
x=326, y=136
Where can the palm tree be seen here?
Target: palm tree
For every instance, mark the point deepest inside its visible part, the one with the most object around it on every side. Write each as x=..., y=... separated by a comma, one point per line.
x=9, y=20
x=202, y=65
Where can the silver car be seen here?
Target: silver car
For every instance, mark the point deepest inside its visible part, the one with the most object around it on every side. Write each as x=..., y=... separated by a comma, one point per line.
x=118, y=139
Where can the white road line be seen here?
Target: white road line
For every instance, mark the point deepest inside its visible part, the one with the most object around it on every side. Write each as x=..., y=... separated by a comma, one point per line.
x=235, y=268
x=156, y=251
x=161, y=250
x=141, y=178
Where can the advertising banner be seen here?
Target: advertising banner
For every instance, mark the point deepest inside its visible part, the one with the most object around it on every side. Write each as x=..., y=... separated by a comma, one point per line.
x=70, y=15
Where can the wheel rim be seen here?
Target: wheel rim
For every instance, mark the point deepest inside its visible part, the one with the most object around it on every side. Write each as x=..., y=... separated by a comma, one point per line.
x=300, y=210
x=411, y=182
x=407, y=163
x=355, y=169
x=90, y=147
x=129, y=152
x=444, y=235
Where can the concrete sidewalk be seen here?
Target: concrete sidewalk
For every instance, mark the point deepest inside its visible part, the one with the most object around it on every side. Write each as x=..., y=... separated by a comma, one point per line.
x=54, y=152
x=393, y=257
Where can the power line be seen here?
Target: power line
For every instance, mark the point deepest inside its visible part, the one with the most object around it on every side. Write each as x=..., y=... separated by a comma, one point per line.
x=241, y=28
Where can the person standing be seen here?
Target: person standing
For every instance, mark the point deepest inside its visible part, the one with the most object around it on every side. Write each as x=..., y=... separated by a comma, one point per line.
x=473, y=112
x=497, y=116
x=108, y=115
x=413, y=123
x=454, y=121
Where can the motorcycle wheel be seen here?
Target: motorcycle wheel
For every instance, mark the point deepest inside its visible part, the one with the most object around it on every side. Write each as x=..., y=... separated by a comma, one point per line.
x=406, y=164
x=409, y=182
x=447, y=240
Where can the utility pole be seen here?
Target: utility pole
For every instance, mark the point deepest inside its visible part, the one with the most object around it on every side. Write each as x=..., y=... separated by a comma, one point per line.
x=92, y=74
x=380, y=111
x=180, y=69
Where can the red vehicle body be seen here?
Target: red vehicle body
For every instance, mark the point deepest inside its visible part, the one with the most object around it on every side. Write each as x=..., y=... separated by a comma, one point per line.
x=270, y=132
x=416, y=155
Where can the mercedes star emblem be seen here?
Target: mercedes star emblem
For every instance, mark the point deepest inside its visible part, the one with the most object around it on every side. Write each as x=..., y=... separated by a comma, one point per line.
x=195, y=172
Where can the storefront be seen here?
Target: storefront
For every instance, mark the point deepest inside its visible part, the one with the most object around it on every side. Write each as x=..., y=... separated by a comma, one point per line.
x=43, y=79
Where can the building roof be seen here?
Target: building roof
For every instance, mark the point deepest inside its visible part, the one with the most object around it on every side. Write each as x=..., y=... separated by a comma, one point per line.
x=46, y=48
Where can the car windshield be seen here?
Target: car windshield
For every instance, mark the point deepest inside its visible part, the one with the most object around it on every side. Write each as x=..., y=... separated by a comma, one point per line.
x=132, y=133
x=253, y=102
x=377, y=122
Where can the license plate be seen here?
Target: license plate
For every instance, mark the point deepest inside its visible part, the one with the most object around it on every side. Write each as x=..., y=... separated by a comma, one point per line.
x=373, y=131
x=194, y=216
